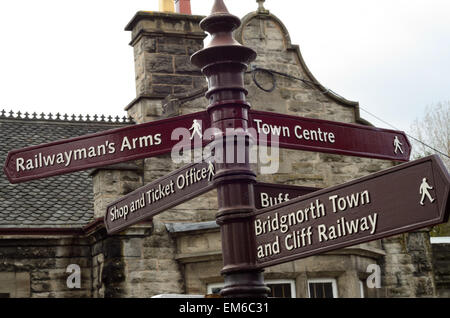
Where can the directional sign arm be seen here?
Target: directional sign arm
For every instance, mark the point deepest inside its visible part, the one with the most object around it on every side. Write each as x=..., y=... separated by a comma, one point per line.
x=397, y=200
x=294, y=132
x=162, y=194
x=101, y=149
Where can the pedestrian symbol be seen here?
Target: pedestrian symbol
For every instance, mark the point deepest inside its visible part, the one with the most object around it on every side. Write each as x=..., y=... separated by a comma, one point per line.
x=196, y=129
x=398, y=145
x=211, y=171
x=424, y=187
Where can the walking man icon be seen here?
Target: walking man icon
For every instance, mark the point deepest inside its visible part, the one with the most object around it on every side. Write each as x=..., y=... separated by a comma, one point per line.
x=398, y=145
x=424, y=187
x=211, y=171
x=196, y=129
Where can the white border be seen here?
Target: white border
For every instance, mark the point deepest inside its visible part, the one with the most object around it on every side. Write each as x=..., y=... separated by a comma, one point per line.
x=440, y=240
x=325, y=280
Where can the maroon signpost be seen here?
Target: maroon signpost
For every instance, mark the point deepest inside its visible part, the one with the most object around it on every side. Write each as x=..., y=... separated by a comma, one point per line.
x=103, y=148
x=310, y=134
x=397, y=200
x=295, y=221
x=166, y=192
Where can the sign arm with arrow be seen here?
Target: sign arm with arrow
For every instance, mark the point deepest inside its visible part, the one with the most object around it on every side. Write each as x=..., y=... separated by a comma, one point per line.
x=393, y=201
x=99, y=149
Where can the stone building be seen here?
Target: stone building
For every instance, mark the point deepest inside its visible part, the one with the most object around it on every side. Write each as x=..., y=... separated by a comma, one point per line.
x=50, y=224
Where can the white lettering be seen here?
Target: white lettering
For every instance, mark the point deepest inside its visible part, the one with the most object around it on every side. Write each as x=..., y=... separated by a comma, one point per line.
x=19, y=164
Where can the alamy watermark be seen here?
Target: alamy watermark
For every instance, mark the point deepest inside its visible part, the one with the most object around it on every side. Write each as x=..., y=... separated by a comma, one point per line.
x=227, y=146
x=374, y=279
x=74, y=279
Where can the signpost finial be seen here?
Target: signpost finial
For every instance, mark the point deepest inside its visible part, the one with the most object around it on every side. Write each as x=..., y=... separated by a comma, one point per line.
x=223, y=47
x=219, y=7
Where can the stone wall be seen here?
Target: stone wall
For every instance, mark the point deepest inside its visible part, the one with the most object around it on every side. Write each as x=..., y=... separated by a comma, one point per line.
x=39, y=266
x=114, y=182
x=441, y=262
x=111, y=266
x=407, y=268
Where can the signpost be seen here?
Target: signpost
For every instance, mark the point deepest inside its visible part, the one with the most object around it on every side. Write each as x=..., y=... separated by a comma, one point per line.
x=103, y=148
x=310, y=134
x=393, y=201
x=166, y=192
x=295, y=221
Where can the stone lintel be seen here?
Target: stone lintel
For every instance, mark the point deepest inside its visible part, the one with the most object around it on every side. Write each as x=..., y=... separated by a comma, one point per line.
x=186, y=258
x=138, y=230
x=180, y=228
x=127, y=166
x=360, y=250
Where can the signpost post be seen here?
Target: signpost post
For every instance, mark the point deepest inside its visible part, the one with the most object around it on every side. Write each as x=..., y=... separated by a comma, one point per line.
x=224, y=62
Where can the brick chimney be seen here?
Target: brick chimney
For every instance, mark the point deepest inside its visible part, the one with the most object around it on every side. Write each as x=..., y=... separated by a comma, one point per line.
x=183, y=6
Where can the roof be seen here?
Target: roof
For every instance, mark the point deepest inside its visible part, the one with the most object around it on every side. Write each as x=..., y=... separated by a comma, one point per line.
x=58, y=202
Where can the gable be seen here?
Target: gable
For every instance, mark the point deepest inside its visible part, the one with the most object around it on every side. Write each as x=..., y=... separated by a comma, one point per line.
x=279, y=79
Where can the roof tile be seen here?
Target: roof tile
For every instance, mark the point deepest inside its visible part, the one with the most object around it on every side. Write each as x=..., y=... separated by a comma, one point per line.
x=65, y=200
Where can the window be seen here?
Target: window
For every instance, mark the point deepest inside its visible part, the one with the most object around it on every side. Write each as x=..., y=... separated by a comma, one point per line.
x=214, y=289
x=322, y=288
x=14, y=285
x=280, y=288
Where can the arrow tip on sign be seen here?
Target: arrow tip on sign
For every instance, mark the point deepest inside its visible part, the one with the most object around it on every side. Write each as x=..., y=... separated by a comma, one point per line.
x=6, y=168
x=441, y=175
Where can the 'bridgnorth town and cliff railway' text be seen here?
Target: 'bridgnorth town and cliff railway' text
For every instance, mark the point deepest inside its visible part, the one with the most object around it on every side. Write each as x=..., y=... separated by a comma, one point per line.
x=293, y=230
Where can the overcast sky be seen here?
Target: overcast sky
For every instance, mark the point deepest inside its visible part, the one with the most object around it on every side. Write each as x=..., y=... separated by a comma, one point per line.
x=392, y=56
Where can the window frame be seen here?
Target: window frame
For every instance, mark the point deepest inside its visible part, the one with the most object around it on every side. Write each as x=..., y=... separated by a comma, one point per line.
x=210, y=287
x=361, y=289
x=324, y=280
x=291, y=282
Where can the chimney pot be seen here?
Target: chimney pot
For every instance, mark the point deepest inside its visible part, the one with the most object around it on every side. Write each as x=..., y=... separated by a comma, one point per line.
x=183, y=6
